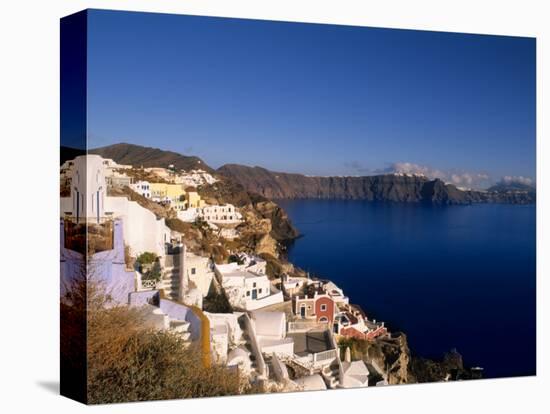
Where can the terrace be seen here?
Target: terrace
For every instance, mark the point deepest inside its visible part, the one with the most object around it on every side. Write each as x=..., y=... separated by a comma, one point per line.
x=311, y=342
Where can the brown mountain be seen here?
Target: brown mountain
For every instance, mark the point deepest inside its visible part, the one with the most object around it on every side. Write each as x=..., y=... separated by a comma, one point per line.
x=138, y=156
x=274, y=185
x=69, y=153
x=388, y=187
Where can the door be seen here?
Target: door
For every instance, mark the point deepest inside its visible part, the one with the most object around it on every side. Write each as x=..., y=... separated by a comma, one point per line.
x=97, y=201
x=254, y=294
x=303, y=311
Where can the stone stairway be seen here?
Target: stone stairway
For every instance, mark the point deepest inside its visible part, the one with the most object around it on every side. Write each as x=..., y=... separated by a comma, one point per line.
x=170, y=281
x=181, y=328
x=248, y=347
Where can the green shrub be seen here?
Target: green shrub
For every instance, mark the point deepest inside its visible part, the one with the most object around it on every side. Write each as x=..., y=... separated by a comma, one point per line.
x=146, y=258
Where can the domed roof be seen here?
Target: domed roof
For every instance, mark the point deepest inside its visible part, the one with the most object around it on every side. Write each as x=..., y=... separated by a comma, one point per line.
x=237, y=353
x=239, y=356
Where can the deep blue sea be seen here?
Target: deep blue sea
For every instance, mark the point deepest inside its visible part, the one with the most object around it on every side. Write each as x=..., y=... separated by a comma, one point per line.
x=459, y=277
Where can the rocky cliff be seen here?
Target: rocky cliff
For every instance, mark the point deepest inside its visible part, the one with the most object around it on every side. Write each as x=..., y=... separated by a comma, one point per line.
x=390, y=359
x=229, y=191
x=382, y=188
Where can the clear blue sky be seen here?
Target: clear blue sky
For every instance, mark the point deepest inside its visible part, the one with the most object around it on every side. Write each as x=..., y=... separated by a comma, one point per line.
x=314, y=99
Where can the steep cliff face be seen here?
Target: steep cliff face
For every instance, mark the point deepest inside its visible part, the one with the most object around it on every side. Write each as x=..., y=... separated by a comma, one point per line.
x=437, y=192
x=382, y=188
x=283, y=185
x=281, y=227
x=392, y=355
x=390, y=359
x=256, y=206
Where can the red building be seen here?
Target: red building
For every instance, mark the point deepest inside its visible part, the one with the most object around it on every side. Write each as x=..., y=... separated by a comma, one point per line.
x=325, y=309
x=318, y=306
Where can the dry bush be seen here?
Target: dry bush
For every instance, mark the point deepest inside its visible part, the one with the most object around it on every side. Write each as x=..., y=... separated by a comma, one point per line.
x=129, y=362
x=111, y=347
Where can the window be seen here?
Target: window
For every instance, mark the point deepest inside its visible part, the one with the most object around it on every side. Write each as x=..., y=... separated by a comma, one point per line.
x=323, y=319
x=193, y=271
x=254, y=284
x=260, y=290
x=248, y=293
x=323, y=308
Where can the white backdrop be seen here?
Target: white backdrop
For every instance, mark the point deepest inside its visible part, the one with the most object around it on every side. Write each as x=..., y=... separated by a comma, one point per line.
x=29, y=90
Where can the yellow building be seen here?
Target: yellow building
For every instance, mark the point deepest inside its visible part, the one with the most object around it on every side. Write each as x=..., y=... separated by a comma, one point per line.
x=172, y=193
x=194, y=200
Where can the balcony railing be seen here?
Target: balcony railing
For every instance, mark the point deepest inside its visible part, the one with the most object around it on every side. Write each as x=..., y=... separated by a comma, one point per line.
x=148, y=284
x=324, y=356
x=315, y=361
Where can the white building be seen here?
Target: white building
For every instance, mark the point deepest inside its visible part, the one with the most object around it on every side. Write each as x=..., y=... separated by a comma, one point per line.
x=89, y=202
x=225, y=334
x=143, y=188
x=212, y=214
x=88, y=189
x=219, y=214
x=293, y=285
x=159, y=172
x=246, y=290
x=199, y=272
x=270, y=331
x=189, y=215
x=194, y=178
x=111, y=165
x=252, y=263
x=246, y=285
x=335, y=293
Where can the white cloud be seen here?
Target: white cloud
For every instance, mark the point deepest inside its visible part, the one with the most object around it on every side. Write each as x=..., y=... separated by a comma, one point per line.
x=468, y=179
x=511, y=179
x=458, y=178
x=411, y=168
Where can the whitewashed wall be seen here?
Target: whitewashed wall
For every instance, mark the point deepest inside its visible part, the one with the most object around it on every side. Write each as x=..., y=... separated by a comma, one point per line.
x=142, y=231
